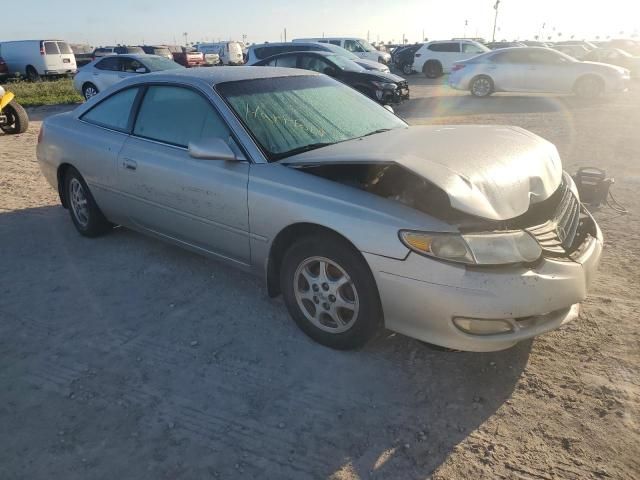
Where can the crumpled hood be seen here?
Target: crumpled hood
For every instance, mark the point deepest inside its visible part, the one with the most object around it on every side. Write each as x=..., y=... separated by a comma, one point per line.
x=494, y=172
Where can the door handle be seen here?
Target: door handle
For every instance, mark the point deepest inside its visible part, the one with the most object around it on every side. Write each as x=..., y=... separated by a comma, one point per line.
x=129, y=164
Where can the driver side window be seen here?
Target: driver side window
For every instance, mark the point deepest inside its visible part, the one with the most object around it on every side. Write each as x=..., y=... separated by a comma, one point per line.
x=316, y=64
x=353, y=46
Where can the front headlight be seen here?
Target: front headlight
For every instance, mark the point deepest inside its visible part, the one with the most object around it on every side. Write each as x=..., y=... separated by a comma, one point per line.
x=497, y=248
x=385, y=85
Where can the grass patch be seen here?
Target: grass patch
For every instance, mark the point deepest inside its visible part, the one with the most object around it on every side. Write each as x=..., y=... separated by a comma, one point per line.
x=34, y=94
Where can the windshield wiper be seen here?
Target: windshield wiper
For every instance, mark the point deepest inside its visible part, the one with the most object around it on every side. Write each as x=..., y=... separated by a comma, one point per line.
x=304, y=148
x=380, y=130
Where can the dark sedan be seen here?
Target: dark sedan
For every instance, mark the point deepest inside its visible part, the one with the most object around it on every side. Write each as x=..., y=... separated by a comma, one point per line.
x=382, y=87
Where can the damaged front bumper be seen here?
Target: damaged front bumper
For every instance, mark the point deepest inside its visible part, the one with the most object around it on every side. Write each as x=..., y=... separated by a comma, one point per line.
x=426, y=299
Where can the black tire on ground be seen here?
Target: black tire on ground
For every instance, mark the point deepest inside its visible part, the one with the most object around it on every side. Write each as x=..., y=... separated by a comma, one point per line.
x=589, y=86
x=432, y=69
x=362, y=286
x=32, y=74
x=89, y=221
x=89, y=90
x=17, y=119
x=407, y=68
x=481, y=86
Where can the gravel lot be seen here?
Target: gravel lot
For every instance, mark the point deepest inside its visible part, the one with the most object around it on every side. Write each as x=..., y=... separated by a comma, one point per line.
x=123, y=357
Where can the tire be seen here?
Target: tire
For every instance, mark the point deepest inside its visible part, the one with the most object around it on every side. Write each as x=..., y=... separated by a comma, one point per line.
x=86, y=217
x=432, y=69
x=32, y=74
x=407, y=68
x=481, y=86
x=89, y=90
x=589, y=87
x=17, y=119
x=314, y=301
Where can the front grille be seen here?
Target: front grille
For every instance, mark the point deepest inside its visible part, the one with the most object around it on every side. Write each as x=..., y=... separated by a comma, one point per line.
x=556, y=236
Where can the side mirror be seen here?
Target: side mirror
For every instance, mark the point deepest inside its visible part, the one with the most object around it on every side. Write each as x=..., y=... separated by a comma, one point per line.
x=141, y=70
x=212, y=149
x=390, y=108
x=330, y=71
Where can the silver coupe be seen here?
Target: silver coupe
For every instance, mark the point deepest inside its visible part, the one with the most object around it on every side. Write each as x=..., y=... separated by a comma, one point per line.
x=468, y=237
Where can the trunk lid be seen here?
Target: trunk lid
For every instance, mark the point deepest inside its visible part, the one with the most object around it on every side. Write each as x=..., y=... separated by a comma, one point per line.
x=493, y=172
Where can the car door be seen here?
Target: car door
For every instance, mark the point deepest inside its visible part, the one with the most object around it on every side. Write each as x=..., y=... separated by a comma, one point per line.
x=107, y=72
x=130, y=67
x=549, y=71
x=508, y=69
x=199, y=203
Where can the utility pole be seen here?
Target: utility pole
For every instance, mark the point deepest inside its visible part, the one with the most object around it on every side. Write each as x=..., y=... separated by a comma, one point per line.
x=285, y=34
x=466, y=24
x=185, y=38
x=495, y=20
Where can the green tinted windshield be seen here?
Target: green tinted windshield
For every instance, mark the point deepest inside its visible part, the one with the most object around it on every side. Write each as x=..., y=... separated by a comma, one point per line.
x=288, y=115
x=157, y=64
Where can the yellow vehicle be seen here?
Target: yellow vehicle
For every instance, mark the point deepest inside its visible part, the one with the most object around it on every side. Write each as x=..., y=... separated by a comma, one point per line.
x=13, y=117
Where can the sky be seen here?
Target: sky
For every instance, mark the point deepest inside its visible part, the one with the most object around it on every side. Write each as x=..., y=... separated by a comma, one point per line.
x=165, y=21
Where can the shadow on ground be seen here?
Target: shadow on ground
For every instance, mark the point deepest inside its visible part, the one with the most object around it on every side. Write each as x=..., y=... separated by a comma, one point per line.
x=125, y=355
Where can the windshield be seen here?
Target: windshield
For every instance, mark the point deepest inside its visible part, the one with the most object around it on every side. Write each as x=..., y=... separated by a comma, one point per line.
x=345, y=63
x=340, y=51
x=367, y=46
x=289, y=115
x=157, y=64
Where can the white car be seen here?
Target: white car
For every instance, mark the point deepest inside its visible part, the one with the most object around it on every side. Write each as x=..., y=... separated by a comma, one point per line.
x=229, y=53
x=357, y=46
x=106, y=71
x=437, y=57
x=536, y=70
x=35, y=59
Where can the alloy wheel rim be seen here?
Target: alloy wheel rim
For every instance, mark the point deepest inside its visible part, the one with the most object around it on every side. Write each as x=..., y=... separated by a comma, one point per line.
x=89, y=92
x=79, y=202
x=326, y=294
x=481, y=87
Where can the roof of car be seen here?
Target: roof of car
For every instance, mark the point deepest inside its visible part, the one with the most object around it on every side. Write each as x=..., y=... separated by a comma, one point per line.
x=214, y=76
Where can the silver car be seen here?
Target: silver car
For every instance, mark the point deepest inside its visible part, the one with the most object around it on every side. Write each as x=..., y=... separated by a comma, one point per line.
x=111, y=69
x=536, y=70
x=468, y=237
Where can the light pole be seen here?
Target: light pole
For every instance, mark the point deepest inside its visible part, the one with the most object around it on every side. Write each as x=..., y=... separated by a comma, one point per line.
x=495, y=20
x=185, y=34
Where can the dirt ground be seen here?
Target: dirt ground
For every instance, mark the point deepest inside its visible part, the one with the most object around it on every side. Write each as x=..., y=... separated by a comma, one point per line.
x=123, y=357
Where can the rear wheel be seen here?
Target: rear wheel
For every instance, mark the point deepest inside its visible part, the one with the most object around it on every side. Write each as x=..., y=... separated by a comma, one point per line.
x=330, y=292
x=17, y=119
x=32, y=74
x=589, y=87
x=89, y=90
x=432, y=69
x=407, y=68
x=85, y=214
x=481, y=86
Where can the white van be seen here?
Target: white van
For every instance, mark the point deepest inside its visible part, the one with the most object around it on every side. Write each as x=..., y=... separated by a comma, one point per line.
x=39, y=58
x=230, y=52
x=358, y=46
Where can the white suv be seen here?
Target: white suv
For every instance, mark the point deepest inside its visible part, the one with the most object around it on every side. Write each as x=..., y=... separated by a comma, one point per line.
x=437, y=57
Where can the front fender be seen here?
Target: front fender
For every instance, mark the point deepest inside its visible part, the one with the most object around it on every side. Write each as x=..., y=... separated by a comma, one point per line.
x=6, y=99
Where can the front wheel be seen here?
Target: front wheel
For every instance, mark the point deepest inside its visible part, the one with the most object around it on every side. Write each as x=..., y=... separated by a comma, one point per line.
x=89, y=90
x=85, y=214
x=589, y=87
x=17, y=119
x=481, y=86
x=407, y=68
x=330, y=292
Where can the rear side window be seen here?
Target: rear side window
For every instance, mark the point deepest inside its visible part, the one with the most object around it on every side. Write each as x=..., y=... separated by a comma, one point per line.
x=452, y=47
x=51, y=48
x=64, y=48
x=288, y=61
x=114, y=111
x=192, y=117
x=110, y=63
x=471, y=48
